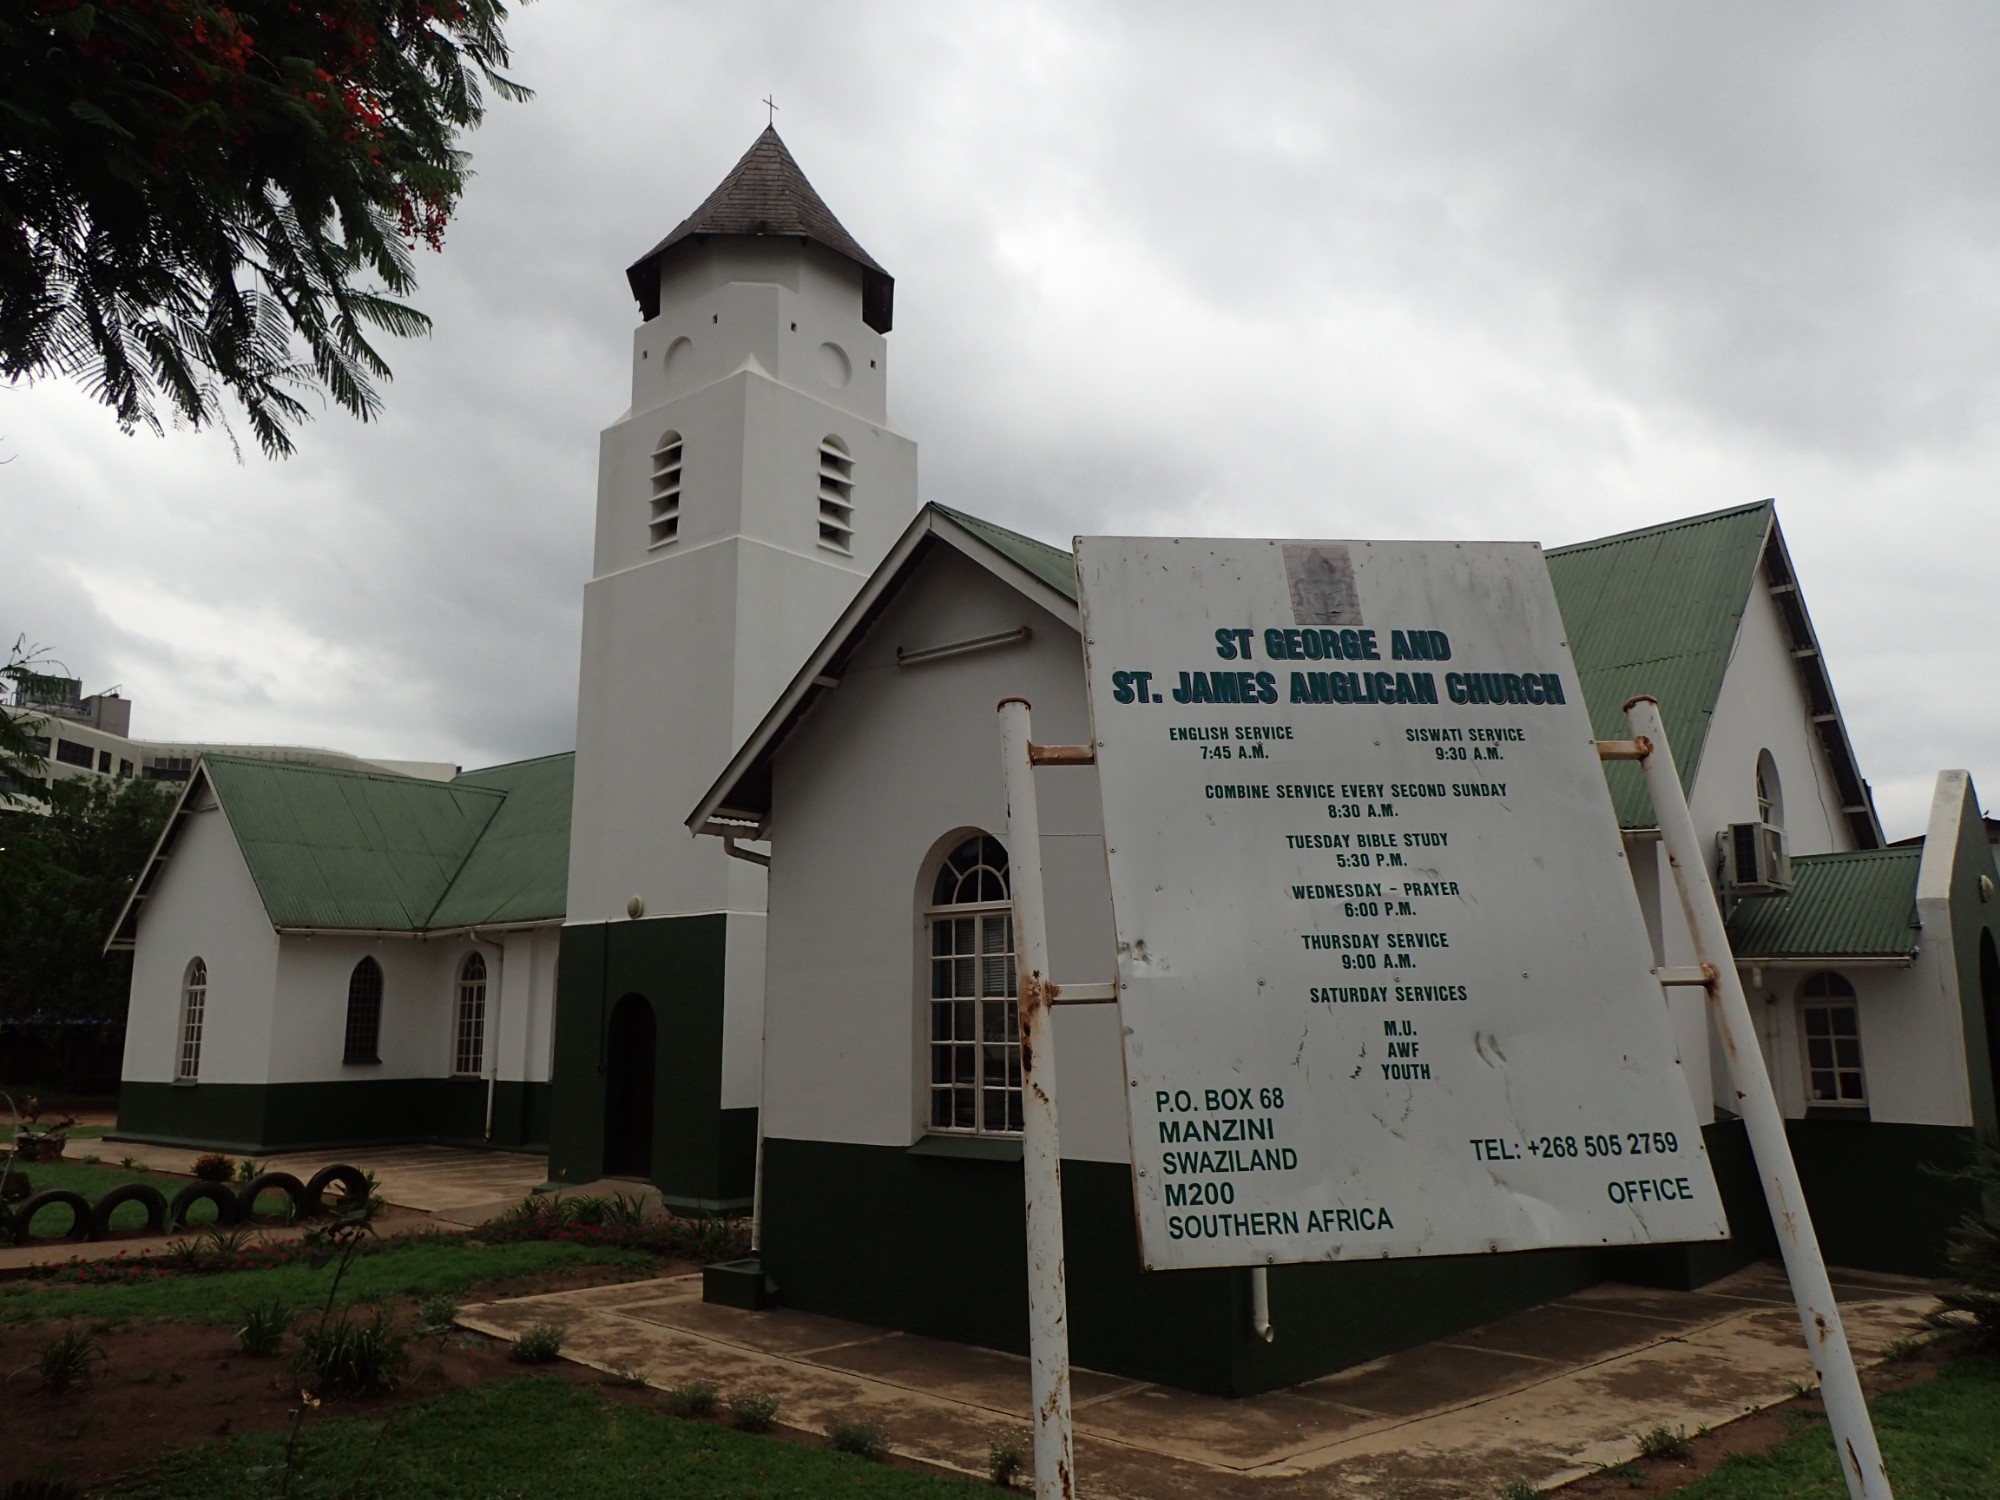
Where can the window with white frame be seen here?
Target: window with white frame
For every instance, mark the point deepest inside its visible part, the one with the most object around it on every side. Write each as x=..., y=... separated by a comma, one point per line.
x=975, y=1019
x=468, y=1051
x=364, y=1014
x=1830, y=1025
x=194, y=1003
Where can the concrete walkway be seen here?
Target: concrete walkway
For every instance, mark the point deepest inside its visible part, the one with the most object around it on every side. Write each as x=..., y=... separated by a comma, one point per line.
x=1546, y=1395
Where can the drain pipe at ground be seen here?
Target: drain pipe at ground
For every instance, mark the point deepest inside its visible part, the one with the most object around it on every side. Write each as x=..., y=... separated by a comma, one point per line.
x=499, y=995
x=1260, y=1304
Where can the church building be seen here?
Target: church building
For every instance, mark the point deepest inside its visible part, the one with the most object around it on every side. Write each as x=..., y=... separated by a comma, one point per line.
x=752, y=941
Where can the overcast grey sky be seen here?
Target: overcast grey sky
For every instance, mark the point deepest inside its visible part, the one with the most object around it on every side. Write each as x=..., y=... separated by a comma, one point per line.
x=1384, y=270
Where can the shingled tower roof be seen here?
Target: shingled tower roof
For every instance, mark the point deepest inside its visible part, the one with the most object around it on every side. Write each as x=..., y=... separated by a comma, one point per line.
x=768, y=194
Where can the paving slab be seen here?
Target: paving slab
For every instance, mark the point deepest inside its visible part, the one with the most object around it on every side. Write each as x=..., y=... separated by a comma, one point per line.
x=1546, y=1395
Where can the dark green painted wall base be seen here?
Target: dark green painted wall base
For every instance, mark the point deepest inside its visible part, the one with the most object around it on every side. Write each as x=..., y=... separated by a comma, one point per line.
x=935, y=1245
x=248, y=1117
x=704, y=1157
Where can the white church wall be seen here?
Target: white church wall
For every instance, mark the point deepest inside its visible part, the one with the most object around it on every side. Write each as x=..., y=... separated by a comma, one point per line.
x=205, y=904
x=1763, y=707
x=775, y=301
x=886, y=768
x=653, y=727
x=313, y=978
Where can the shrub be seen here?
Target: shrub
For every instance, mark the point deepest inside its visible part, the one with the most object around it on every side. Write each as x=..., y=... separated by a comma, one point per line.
x=349, y=1357
x=694, y=1399
x=1972, y=1253
x=1004, y=1462
x=248, y=1168
x=753, y=1411
x=623, y=1221
x=438, y=1314
x=1519, y=1489
x=68, y=1360
x=213, y=1167
x=264, y=1325
x=1665, y=1442
x=537, y=1345
x=625, y=1378
x=863, y=1439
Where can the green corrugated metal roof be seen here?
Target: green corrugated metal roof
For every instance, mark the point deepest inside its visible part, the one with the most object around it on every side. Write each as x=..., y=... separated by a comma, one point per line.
x=1657, y=611
x=349, y=849
x=519, y=869
x=1850, y=905
x=1052, y=565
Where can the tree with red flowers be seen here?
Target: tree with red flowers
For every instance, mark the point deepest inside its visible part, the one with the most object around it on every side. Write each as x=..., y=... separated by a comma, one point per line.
x=200, y=199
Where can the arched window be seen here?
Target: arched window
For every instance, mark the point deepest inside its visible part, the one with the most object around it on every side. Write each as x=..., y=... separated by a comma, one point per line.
x=469, y=1046
x=664, y=522
x=1830, y=1023
x=364, y=1014
x=194, y=1002
x=975, y=1030
x=1770, y=793
x=836, y=495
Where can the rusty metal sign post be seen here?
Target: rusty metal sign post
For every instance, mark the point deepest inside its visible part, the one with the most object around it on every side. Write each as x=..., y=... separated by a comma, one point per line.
x=1805, y=1267
x=1041, y=1152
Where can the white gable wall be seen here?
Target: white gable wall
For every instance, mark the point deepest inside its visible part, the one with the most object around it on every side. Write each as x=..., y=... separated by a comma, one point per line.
x=419, y=1006
x=1763, y=706
x=204, y=903
x=886, y=773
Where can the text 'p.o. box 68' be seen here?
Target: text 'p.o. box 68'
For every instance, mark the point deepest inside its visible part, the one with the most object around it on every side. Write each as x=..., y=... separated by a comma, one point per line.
x=1384, y=982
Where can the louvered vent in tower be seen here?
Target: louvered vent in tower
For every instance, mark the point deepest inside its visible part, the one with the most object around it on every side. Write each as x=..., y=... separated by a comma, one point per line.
x=836, y=496
x=665, y=523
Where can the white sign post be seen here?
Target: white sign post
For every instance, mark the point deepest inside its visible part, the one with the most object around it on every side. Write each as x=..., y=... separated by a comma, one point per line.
x=1385, y=985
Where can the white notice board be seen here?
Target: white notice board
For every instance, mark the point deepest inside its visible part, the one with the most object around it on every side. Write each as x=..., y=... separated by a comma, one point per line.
x=1385, y=988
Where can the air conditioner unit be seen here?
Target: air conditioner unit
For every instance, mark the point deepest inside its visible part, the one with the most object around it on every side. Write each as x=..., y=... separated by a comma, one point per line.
x=1754, y=862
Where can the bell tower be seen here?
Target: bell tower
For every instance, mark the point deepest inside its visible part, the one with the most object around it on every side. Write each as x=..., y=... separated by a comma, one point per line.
x=744, y=496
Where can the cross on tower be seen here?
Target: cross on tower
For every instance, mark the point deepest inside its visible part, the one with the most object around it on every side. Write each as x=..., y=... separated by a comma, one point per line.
x=772, y=117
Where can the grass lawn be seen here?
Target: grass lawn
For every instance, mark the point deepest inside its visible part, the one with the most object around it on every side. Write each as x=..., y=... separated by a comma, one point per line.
x=95, y=1181
x=1940, y=1440
x=543, y=1438
x=419, y=1268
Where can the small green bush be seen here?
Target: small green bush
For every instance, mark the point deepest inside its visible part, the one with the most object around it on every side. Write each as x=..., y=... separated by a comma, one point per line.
x=350, y=1357
x=862, y=1439
x=248, y=1168
x=438, y=1314
x=68, y=1360
x=1005, y=1462
x=1972, y=1252
x=625, y=1378
x=1665, y=1442
x=264, y=1325
x=1519, y=1489
x=537, y=1346
x=694, y=1399
x=213, y=1167
x=753, y=1411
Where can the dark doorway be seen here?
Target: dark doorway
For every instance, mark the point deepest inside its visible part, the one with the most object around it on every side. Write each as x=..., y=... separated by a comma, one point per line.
x=1989, y=999
x=628, y=1088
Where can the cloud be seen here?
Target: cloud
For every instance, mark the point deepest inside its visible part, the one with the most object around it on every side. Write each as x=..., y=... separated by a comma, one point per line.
x=1451, y=270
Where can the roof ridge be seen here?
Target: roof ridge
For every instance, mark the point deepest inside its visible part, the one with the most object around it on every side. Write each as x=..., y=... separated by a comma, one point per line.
x=1661, y=528
x=396, y=778
x=508, y=765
